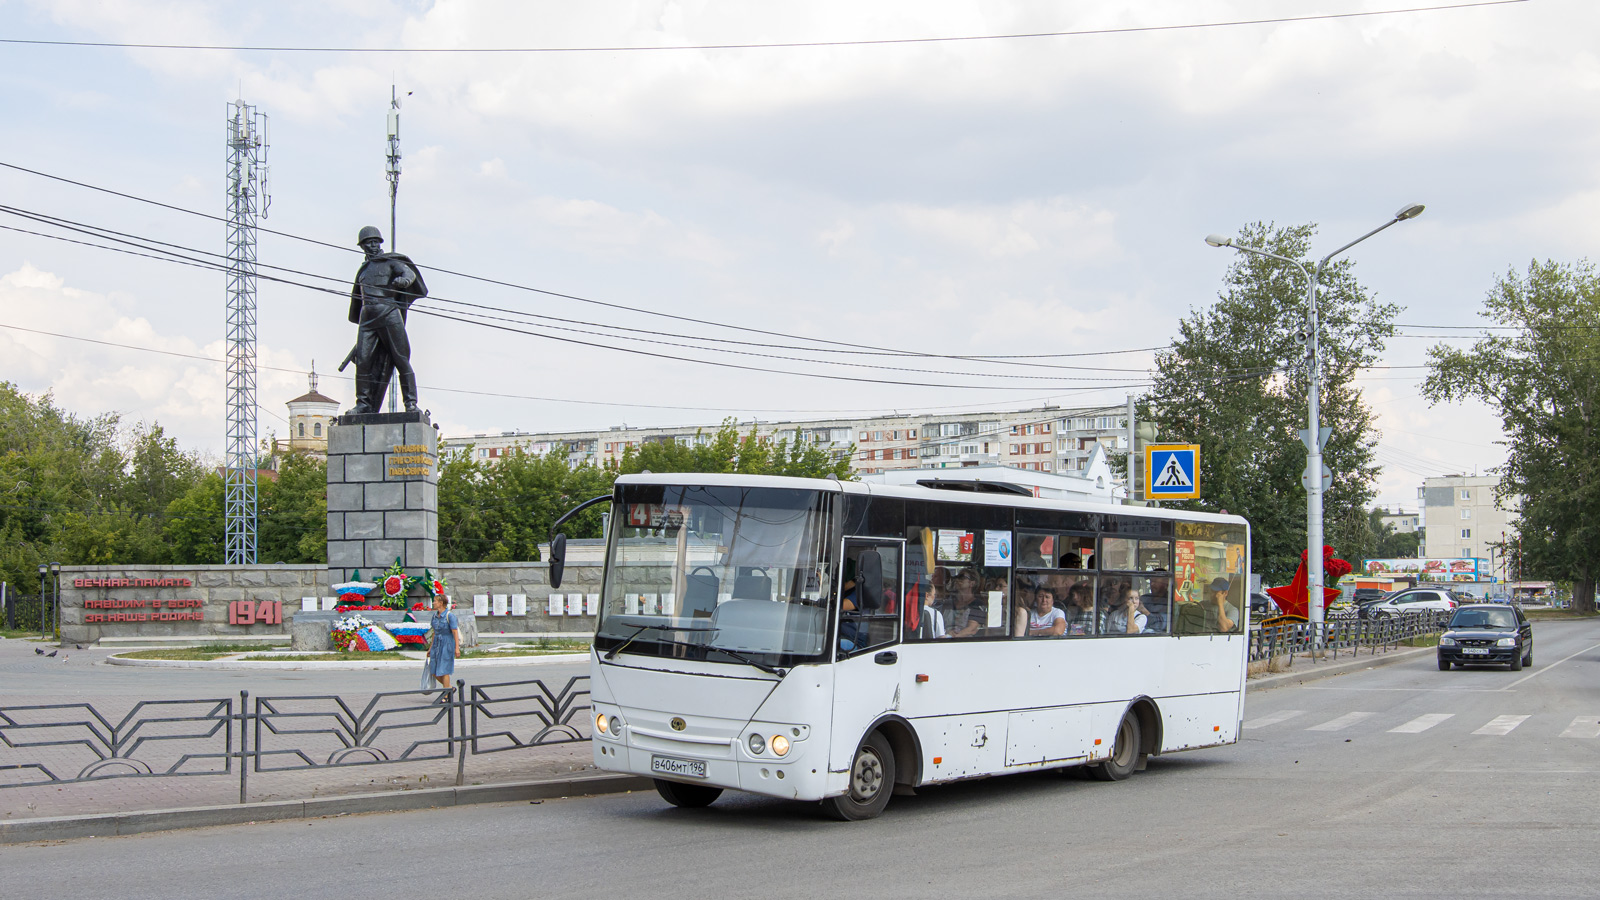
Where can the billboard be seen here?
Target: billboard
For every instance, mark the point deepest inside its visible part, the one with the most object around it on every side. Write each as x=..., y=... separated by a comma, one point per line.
x=1442, y=568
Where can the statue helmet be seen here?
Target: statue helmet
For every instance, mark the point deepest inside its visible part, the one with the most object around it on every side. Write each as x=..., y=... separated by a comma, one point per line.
x=367, y=233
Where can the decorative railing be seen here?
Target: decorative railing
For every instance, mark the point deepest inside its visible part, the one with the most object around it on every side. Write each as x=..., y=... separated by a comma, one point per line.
x=1350, y=634
x=64, y=743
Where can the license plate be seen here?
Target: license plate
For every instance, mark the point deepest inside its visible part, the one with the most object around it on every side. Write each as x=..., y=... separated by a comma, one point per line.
x=666, y=765
x=1475, y=651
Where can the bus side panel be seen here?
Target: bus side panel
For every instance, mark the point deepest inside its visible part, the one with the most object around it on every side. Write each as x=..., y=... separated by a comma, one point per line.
x=1203, y=664
x=1204, y=720
x=962, y=746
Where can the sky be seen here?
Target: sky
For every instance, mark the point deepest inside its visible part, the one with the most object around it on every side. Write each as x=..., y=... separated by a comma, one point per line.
x=1038, y=197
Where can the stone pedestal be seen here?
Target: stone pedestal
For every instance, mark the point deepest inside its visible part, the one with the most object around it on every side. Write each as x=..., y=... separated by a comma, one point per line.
x=383, y=494
x=313, y=630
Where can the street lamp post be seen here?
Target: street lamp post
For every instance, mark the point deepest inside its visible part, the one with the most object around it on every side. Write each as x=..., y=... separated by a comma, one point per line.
x=44, y=573
x=1315, y=436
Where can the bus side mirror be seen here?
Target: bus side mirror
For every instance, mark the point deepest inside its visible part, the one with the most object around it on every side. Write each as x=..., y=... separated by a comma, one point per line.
x=869, y=580
x=558, y=559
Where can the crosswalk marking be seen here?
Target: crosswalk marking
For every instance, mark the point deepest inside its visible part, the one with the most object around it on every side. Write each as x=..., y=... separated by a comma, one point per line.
x=1583, y=727
x=1421, y=723
x=1344, y=721
x=1501, y=725
x=1282, y=715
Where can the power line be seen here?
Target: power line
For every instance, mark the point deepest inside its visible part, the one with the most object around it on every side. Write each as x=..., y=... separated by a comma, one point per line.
x=579, y=299
x=782, y=45
x=170, y=255
x=872, y=411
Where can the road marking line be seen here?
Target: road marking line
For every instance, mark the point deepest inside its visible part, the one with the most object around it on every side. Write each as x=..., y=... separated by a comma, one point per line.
x=1501, y=725
x=1583, y=727
x=1344, y=721
x=1548, y=668
x=1421, y=723
x=1283, y=715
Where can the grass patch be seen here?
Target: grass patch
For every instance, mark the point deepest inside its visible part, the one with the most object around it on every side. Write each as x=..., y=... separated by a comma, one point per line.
x=555, y=645
x=513, y=651
x=1425, y=640
x=1558, y=614
x=22, y=634
x=176, y=653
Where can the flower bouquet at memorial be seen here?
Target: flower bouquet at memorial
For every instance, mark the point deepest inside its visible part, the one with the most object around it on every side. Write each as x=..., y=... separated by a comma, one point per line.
x=345, y=629
x=353, y=594
x=396, y=584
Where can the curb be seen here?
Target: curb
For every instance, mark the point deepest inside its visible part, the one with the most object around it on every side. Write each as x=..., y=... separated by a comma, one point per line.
x=1340, y=668
x=57, y=828
x=339, y=664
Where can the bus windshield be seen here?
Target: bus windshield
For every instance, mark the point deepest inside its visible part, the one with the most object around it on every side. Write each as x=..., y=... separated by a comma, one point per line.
x=694, y=570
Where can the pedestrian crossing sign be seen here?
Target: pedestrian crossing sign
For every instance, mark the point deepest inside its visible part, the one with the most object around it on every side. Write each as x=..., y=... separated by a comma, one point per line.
x=1172, y=471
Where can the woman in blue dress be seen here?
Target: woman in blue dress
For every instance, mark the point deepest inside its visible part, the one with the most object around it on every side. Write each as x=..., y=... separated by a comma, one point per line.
x=444, y=643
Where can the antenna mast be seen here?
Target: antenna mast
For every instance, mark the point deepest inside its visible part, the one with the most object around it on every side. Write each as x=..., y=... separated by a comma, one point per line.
x=248, y=200
x=393, y=172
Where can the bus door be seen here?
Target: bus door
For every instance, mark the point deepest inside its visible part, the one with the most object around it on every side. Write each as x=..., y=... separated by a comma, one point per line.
x=872, y=581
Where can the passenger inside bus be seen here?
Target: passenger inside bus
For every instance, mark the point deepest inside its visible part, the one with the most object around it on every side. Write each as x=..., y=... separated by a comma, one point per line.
x=1079, y=608
x=966, y=613
x=1124, y=614
x=1041, y=617
x=1212, y=615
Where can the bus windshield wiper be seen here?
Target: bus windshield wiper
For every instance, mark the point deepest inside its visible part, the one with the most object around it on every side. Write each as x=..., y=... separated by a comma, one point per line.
x=641, y=628
x=771, y=670
x=748, y=661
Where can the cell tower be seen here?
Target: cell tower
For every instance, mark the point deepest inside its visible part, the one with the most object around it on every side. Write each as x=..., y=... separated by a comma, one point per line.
x=247, y=201
x=393, y=172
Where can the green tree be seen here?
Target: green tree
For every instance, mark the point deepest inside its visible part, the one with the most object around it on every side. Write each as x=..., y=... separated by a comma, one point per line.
x=195, y=528
x=292, y=517
x=729, y=452
x=1387, y=543
x=1235, y=382
x=1541, y=376
x=501, y=511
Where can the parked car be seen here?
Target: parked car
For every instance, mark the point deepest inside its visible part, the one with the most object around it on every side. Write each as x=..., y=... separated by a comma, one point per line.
x=1366, y=598
x=1413, y=600
x=1487, y=633
x=1261, y=606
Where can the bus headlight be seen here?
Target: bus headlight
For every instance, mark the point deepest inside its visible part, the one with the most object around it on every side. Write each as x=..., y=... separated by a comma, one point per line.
x=600, y=723
x=780, y=745
x=757, y=743
x=616, y=727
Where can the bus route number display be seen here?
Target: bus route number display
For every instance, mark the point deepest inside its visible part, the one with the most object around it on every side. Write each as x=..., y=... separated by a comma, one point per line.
x=656, y=515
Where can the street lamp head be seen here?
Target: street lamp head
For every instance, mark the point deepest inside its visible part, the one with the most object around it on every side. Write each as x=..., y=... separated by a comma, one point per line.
x=1410, y=211
x=1217, y=240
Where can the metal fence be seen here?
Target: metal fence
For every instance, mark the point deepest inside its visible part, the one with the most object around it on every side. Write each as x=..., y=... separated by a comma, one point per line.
x=23, y=612
x=64, y=743
x=1344, y=634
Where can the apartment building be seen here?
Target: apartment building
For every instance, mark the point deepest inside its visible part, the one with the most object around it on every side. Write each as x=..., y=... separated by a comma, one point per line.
x=1463, y=518
x=1044, y=439
x=1403, y=521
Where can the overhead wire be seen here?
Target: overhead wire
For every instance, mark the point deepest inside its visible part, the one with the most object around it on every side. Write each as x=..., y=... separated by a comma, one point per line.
x=770, y=45
x=580, y=299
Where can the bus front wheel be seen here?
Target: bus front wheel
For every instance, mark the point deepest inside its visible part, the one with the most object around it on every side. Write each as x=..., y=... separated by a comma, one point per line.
x=1124, y=753
x=871, y=782
x=688, y=796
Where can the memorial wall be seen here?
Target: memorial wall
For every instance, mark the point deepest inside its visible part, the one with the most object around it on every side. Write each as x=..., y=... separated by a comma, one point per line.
x=229, y=602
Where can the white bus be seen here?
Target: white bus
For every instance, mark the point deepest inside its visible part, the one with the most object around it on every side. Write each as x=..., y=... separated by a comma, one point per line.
x=839, y=642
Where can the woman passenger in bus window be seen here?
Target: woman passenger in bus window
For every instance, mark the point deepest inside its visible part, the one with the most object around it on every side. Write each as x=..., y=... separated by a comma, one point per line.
x=1126, y=614
x=965, y=615
x=1079, y=610
x=1041, y=618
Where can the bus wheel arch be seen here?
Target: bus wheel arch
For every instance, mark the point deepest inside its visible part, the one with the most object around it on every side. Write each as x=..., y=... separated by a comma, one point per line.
x=1150, y=730
x=907, y=747
x=1131, y=748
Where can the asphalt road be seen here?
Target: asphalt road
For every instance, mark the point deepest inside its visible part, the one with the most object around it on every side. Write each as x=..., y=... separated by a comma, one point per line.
x=74, y=676
x=1400, y=781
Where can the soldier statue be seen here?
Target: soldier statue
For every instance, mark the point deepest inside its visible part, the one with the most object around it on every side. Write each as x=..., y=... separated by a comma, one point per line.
x=385, y=287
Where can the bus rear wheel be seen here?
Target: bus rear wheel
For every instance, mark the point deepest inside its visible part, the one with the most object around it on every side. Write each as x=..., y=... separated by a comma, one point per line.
x=687, y=796
x=871, y=782
x=1124, y=753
